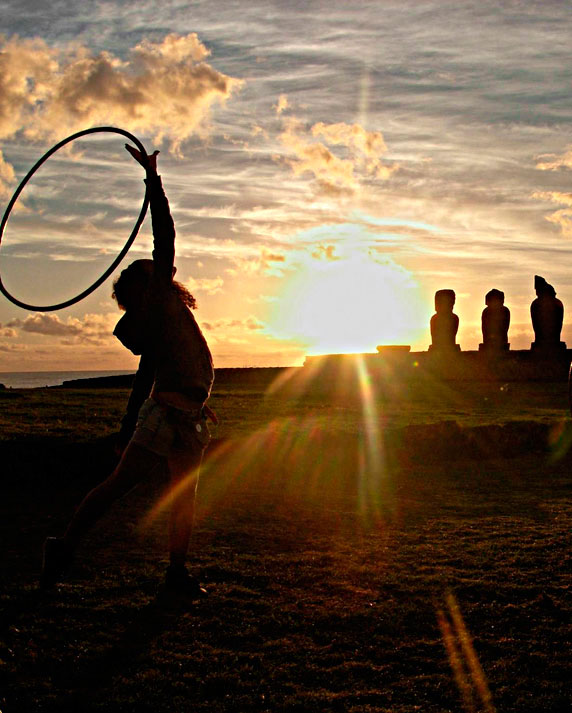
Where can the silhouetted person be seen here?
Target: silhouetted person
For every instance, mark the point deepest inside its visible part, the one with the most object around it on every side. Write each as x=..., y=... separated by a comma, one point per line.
x=547, y=313
x=165, y=426
x=495, y=322
x=444, y=324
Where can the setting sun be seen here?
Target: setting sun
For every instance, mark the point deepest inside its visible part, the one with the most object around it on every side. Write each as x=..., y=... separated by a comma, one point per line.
x=351, y=304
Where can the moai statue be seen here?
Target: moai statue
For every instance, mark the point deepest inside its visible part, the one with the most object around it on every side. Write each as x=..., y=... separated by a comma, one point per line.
x=547, y=313
x=444, y=324
x=495, y=322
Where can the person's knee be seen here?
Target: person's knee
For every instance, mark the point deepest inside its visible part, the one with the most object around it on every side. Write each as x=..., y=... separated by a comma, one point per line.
x=135, y=465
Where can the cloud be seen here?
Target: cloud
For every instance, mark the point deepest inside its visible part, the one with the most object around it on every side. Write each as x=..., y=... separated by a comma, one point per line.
x=282, y=104
x=259, y=131
x=316, y=159
x=561, y=218
x=325, y=252
x=554, y=197
x=46, y=324
x=335, y=175
x=7, y=332
x=26, y=69
x=553, y=162
x=91, y=329
x=369, y=144
x=6, y=177
x=234, y=325
x=164, y=88
x=265, y=262
x=205, y=284
x=12, y=348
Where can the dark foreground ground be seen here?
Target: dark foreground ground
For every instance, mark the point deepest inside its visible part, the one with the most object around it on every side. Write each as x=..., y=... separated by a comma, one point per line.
x=402, y=552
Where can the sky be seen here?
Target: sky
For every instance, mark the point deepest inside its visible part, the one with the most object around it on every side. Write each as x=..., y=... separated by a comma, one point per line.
x=329, y=166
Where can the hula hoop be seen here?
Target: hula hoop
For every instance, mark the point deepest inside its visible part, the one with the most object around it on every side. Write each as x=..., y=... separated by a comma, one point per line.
x=118, y=259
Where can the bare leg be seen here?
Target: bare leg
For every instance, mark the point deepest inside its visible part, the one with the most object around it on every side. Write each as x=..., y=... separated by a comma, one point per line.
x=136, y=463
x=184, y=471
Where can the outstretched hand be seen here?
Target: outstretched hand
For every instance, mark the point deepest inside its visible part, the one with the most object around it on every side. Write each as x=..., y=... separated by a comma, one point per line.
x=149, y=163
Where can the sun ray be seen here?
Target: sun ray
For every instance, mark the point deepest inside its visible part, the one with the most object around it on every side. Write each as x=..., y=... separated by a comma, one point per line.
x=371, y=464
x=467, y=670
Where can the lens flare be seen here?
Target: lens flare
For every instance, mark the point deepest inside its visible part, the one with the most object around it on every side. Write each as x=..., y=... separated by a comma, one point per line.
x=327, y=452
x=371, y=462
x=172, y=493
x=469, y=675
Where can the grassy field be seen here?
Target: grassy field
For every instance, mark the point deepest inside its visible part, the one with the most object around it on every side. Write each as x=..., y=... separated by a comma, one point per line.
x=365, y=549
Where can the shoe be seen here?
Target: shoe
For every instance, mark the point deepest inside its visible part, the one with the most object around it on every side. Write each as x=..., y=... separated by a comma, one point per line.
x=179, y=582
x=57, y=562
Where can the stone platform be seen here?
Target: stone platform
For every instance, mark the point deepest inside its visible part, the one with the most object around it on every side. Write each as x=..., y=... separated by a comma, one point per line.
x=398, y=362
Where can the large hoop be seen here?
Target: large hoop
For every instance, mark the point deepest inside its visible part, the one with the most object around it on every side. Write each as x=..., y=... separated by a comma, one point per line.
x=122, y=254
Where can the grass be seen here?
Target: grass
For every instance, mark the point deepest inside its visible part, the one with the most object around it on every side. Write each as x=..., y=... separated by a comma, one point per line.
x=243, y=407
x=406, y=567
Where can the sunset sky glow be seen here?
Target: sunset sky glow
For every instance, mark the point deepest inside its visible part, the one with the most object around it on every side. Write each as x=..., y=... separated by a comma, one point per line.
x=329, y=166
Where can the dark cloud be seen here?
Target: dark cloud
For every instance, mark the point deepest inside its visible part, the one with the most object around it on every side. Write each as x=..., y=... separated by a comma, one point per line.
x=93, y=328
x=45, y=324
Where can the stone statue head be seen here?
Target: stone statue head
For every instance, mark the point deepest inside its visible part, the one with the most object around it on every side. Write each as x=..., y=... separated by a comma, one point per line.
x=494, y=298
x=444, y=300
x=543, y=288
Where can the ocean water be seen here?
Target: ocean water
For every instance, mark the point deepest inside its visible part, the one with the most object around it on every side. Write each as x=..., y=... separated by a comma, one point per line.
x=38, y=379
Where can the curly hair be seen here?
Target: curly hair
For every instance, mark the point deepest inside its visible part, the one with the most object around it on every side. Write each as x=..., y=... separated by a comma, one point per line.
x=184, y=295
x=139, y=275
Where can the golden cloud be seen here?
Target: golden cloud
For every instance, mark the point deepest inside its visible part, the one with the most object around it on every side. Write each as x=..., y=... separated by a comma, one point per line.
x=554, y=197
x=369, y=144
x=325, y=252
x=234, y=325
x=282, y=104
x=7, y=332
x=315, y=158
x=334, y=175
x=205, y=284
x=561, y=218
x=164, y=88
x=265, y=262
x=26, y=71
x=553, y=162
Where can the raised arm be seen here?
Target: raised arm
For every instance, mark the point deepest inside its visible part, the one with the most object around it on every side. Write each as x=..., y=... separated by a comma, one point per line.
x=162, y=222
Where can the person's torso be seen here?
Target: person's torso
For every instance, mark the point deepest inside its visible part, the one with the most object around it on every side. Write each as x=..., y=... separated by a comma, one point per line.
x=168, y=333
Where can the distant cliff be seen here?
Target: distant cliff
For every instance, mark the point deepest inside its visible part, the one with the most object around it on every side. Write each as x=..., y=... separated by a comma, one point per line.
x=262, y=376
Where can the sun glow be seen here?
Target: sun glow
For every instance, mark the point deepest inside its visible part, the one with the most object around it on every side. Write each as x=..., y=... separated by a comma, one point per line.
x=351, y=305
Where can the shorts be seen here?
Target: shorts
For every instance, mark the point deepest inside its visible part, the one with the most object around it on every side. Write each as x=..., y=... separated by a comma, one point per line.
x=169, y=431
